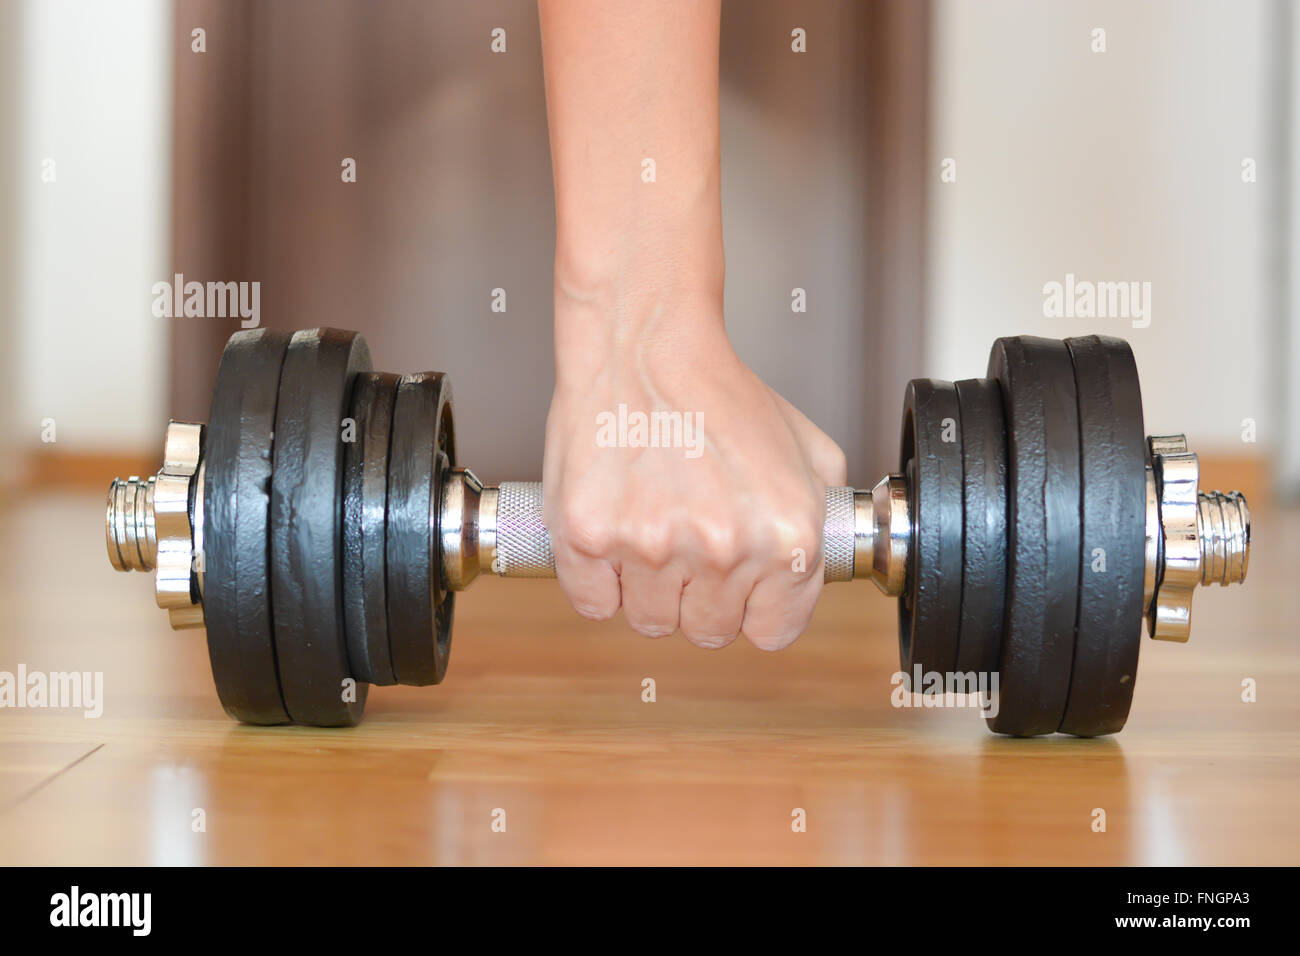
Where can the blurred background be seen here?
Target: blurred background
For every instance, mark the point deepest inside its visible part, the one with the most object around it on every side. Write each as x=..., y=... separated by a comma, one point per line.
x=922, y=171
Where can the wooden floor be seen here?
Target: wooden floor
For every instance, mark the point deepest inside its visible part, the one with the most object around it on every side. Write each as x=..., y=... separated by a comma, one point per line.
x=541, y=725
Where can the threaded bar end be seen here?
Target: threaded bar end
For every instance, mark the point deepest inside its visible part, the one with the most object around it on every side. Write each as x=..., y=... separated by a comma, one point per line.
x=1223, y=526
x=129, y=524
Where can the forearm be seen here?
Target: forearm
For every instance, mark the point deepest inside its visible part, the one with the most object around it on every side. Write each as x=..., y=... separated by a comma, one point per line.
x=628, y=82
x=694, y=531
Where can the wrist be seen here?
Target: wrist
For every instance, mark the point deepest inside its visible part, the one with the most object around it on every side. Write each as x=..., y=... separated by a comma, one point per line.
x=651, y=240
x=643, y=279
x=613, y=332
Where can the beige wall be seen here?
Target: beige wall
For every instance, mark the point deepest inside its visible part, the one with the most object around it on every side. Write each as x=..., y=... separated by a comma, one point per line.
x=1122, y=165
x=1286, y=257
x=10, y=97
x=794, y=211
x=92, y=89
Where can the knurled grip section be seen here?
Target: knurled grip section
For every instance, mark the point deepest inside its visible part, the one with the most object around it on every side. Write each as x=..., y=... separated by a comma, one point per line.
x=524, y=546
x=837, y=535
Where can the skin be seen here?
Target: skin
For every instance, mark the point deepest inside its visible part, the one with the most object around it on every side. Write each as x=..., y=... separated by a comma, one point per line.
x=703, y=544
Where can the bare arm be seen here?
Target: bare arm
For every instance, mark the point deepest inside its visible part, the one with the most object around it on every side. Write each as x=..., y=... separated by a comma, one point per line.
x=698, y=536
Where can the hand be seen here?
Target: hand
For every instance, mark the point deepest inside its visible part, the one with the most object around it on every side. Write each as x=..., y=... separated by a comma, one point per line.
x=720, y=535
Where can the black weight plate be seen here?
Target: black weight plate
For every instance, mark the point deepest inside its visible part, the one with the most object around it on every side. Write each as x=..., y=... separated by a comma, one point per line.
x=420, y=645
x=1043, y=503
x=984, y=542
x=365, y=502
x=316, y=382
x=929, y=610
x=236, y=517
x=444, y=599
x=1113, y=557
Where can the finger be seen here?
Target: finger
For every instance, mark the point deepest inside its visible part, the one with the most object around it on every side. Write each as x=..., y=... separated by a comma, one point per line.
x=652, y=598
x=779, y=608
x=713, y=607
x=590, y=584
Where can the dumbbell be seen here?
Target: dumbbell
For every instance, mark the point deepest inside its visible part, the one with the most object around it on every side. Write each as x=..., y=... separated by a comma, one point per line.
x=319, y=526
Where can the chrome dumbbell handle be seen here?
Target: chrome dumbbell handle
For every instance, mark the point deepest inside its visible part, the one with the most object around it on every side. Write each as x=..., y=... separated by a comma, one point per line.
x=522, y=543
x=499, y=530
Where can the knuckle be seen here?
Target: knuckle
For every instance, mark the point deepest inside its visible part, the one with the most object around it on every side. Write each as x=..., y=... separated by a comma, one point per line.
x=809, y=530
x=799, y=528
x=586, y=531
x=648, y=543
x=717, y=541
x=763, y=536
